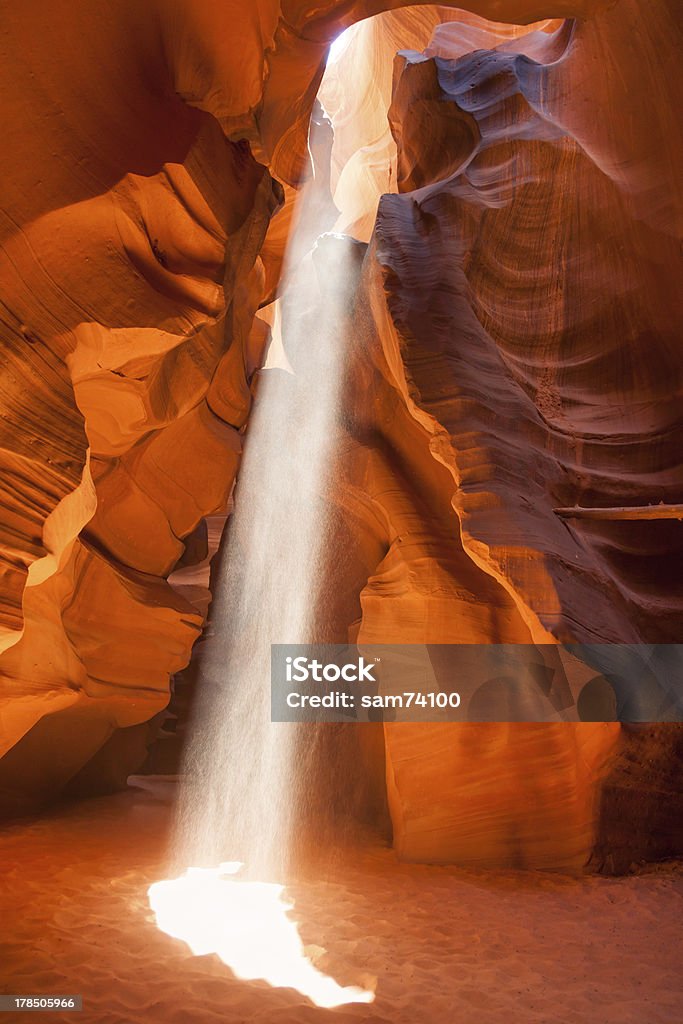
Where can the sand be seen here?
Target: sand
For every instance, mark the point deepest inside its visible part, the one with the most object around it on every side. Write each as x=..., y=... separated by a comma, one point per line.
x=444, y=945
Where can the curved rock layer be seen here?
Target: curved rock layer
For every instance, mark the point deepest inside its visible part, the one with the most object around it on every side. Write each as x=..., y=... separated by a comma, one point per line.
x=523, y=292
x=515, y=355
x=135, y=196
x=130, y=277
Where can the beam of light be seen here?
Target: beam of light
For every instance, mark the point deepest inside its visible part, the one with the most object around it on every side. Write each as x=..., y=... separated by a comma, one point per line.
x=247, y=924
x=247, y=780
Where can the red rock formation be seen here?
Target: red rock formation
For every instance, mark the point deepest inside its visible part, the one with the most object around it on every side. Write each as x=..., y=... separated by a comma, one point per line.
x=517, y=291
x=131, y=230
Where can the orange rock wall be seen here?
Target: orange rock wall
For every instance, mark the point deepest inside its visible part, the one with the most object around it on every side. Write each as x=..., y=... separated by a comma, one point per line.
x=523, y=295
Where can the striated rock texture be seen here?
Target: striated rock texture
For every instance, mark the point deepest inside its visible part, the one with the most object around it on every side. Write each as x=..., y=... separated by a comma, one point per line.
x=523, y=293
x=136, y=194
x=516, y=352
x=131, y=227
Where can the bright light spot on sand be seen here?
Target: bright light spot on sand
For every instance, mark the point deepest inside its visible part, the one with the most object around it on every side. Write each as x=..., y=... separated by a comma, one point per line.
x=247, y=925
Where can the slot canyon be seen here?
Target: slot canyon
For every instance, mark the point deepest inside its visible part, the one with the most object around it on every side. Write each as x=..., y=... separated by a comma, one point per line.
x=350, y=323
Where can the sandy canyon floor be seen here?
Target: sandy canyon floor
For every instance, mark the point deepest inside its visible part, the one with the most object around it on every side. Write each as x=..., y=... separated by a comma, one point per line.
x=444, y=945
